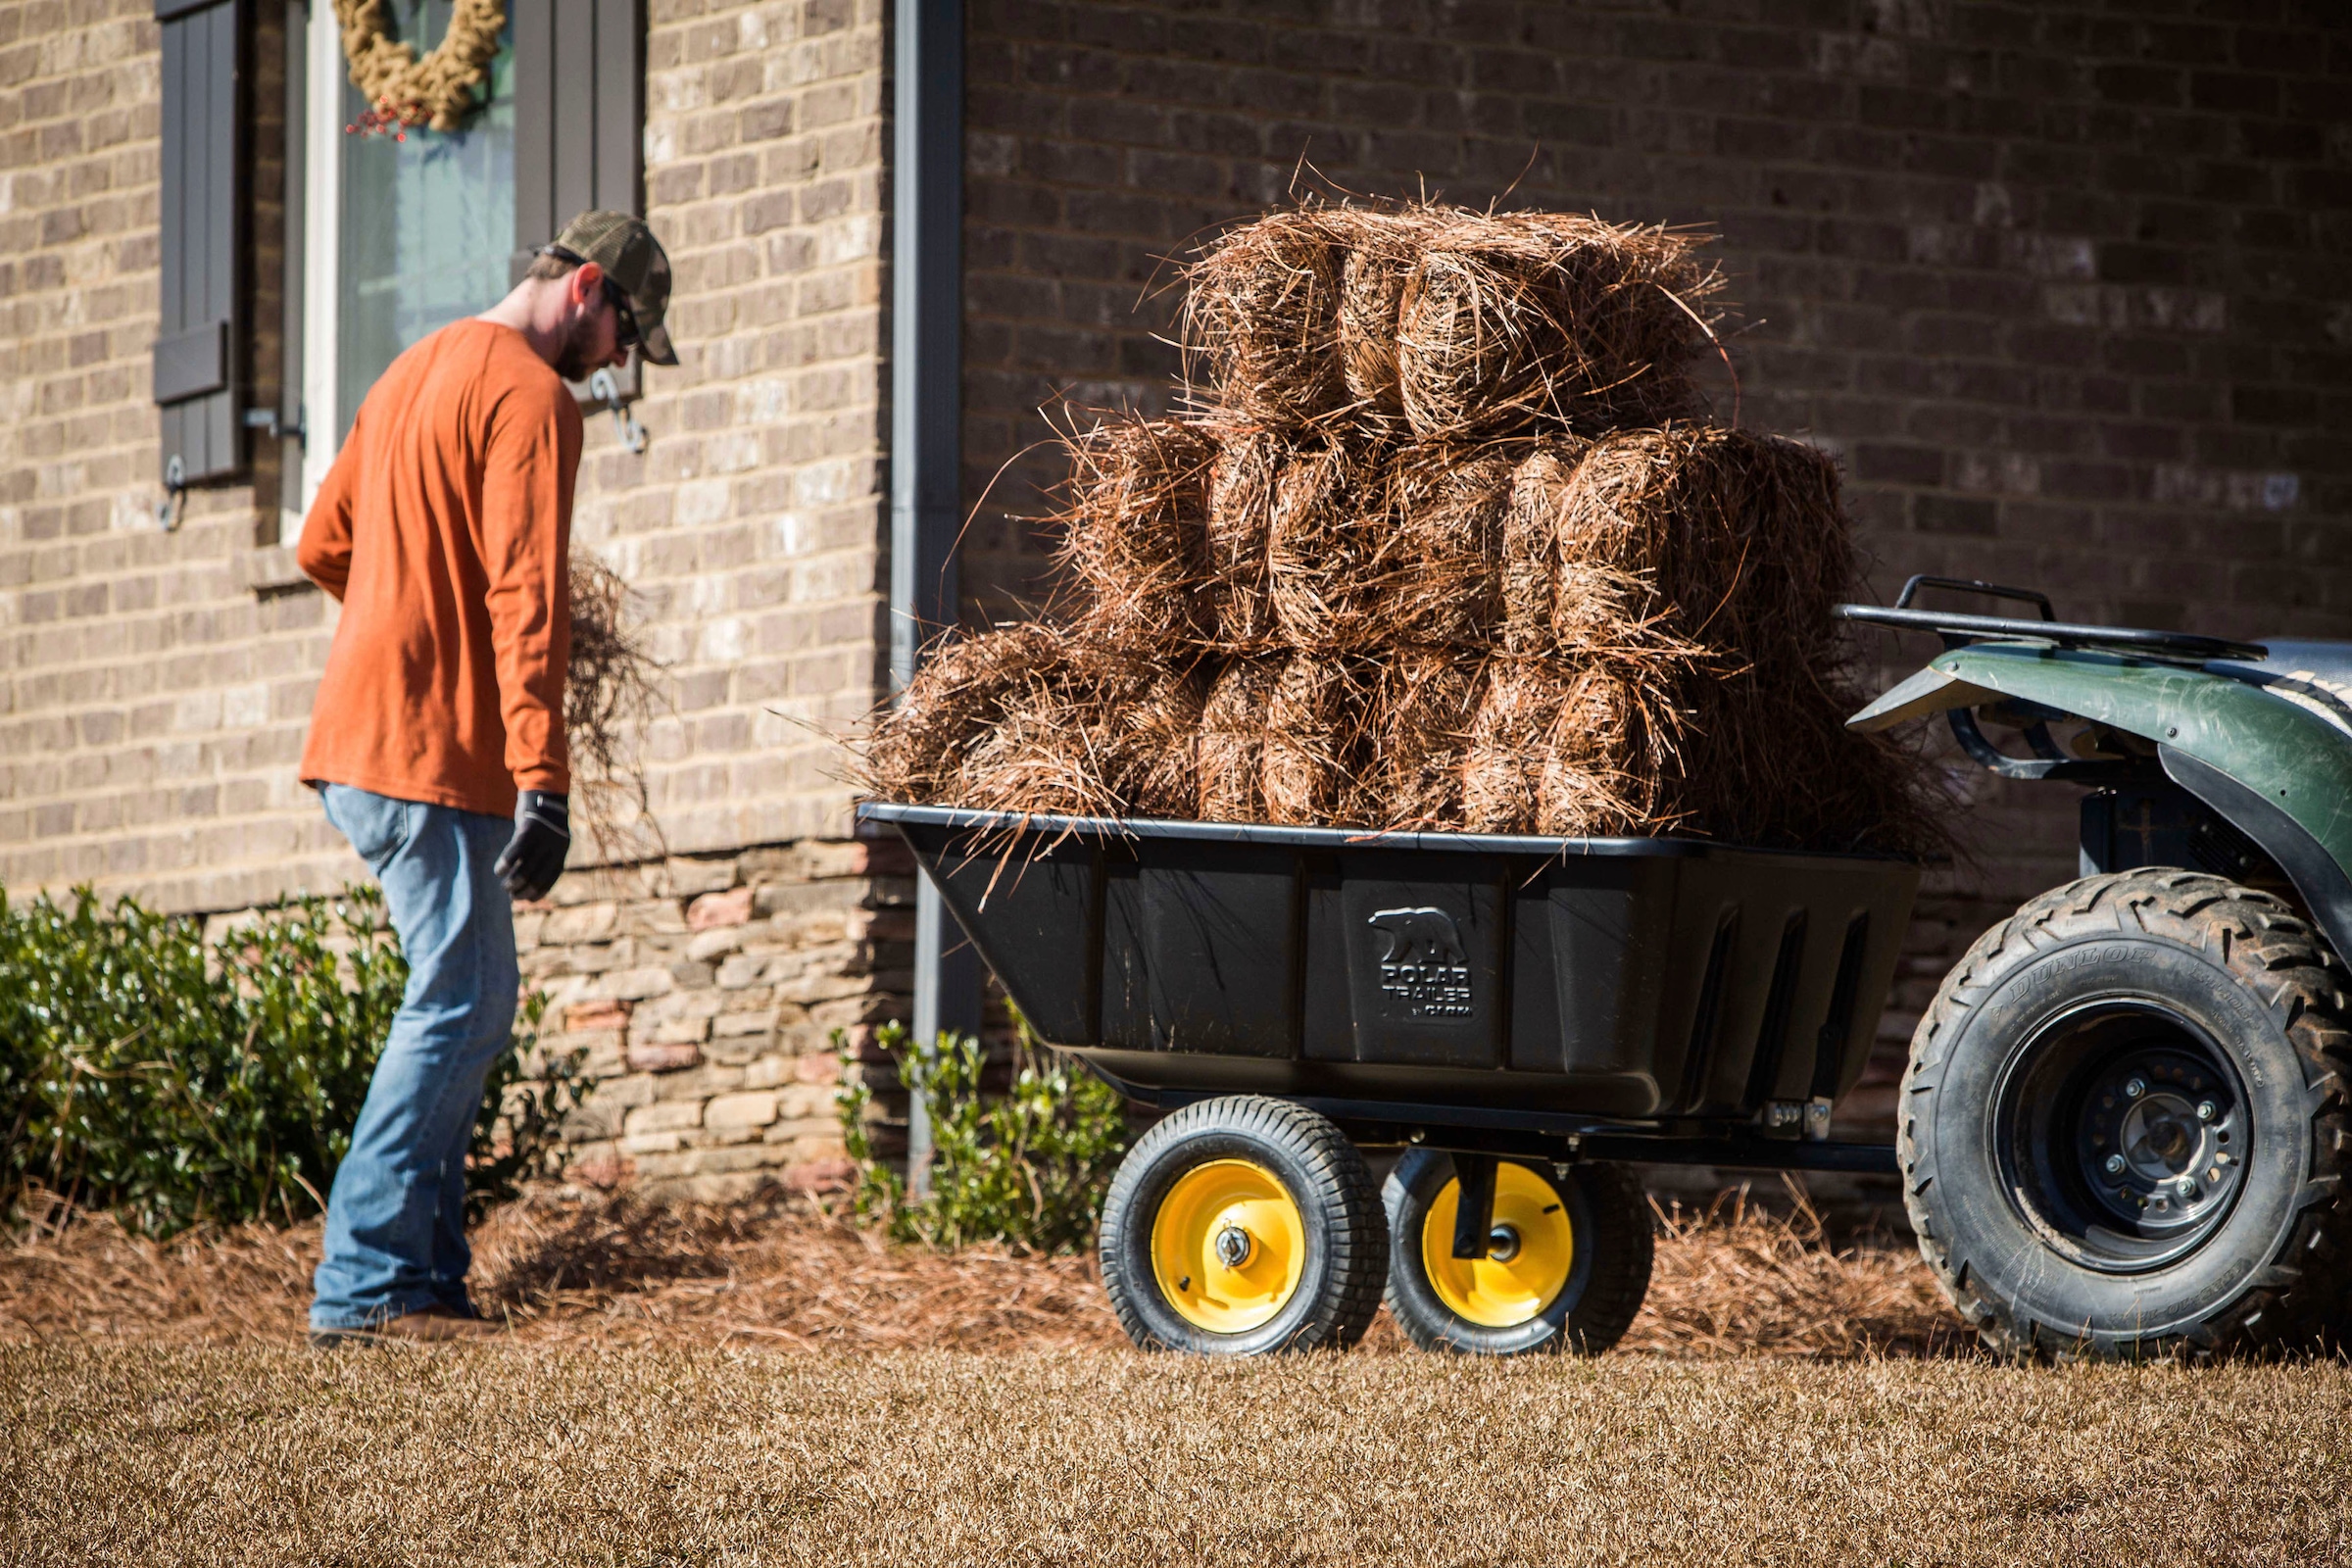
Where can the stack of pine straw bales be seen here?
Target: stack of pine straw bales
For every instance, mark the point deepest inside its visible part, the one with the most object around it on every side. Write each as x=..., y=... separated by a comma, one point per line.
x=1438, y=545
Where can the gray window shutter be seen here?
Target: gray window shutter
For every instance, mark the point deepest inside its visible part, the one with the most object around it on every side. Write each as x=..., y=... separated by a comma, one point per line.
x=200, y=347
x=580, y=118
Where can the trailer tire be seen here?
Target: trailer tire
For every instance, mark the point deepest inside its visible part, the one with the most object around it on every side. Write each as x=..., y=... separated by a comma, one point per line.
x=1243, y=1226
x=2122, y=1131
x=1581, y=1252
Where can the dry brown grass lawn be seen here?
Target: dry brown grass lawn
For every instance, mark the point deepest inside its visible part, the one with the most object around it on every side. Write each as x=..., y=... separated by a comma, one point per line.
x=124, y=1453
x=1778, y=1402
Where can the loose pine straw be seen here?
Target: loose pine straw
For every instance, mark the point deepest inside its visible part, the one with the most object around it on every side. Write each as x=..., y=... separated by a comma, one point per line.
x=610, y=695
x=1734, y=1281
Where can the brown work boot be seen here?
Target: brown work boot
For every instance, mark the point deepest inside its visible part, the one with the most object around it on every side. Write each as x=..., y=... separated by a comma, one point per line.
x=434, y=1324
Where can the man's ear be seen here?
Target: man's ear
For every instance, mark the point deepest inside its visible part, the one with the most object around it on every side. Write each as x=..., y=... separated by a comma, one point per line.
x=587, y=281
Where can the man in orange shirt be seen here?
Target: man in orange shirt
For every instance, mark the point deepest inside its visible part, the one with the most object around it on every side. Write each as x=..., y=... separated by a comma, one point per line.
x=437, y=736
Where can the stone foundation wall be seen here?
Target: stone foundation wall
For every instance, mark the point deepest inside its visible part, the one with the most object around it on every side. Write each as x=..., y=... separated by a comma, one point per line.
x=704, y=991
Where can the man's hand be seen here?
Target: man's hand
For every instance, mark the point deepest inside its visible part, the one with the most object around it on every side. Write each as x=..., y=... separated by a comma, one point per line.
x=534, y=858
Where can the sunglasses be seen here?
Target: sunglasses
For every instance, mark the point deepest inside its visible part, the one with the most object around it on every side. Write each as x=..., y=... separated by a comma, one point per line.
x=624, y=320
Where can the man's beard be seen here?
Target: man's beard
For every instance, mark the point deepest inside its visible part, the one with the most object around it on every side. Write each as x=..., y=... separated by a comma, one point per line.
x=578, y=355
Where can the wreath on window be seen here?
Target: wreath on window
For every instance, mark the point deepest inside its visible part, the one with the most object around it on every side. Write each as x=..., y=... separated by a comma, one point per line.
x=438, y=90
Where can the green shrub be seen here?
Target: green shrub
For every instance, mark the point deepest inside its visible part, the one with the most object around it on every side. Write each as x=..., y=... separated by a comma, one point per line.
x=1028, y=1166
x=142, y=1072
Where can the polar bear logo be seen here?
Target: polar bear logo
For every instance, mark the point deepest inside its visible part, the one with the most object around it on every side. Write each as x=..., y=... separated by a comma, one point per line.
x=1419, y=937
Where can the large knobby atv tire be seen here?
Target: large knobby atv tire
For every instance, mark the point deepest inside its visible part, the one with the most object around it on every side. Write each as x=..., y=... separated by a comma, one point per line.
x=1243, y=1226
x=1568, y=1273
x=2123, y=1130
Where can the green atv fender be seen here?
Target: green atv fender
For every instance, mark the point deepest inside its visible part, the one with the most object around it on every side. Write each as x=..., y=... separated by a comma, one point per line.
x=2267, y=758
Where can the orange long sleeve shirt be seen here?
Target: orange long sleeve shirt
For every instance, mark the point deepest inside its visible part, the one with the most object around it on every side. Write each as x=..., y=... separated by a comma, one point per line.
x=444, y=527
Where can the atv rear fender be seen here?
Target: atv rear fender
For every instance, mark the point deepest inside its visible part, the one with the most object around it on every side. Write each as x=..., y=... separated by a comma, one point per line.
x=2272, y=762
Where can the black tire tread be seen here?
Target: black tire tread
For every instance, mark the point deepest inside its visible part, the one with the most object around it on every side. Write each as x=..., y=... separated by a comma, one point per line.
x=2284, y=959
x=1359, y=1258
x=1624, y=1248
x=1621, y=1217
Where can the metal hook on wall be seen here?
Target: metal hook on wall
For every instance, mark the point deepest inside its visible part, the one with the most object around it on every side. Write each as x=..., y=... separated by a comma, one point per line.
x=625, y=427
x=176, y=485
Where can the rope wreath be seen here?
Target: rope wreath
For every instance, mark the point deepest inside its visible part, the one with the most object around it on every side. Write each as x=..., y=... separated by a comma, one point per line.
x=438, y=90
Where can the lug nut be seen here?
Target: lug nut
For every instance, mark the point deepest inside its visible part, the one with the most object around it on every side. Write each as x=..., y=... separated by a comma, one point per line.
x=2134, y=1089
x=2115, y=1164
x=2188, y=1189
x=2206, y=1110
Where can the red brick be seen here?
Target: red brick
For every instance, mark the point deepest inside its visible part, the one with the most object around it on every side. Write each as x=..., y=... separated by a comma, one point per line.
x=604, y=1015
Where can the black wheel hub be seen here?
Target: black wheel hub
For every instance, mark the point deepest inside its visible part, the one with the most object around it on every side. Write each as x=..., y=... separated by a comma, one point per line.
x=2121, y=1135
x=2161, y=1140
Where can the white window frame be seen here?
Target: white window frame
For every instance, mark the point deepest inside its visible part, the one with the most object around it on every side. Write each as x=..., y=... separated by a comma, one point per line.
x=321, y=255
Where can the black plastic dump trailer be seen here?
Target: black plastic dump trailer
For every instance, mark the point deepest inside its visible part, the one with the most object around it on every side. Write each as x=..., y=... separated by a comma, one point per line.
x=1549, y=1003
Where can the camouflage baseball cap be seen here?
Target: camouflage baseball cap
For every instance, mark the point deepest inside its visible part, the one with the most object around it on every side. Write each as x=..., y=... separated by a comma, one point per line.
x=626, y=248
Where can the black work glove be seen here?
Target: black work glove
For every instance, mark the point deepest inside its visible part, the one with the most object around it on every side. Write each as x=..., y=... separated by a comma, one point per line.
x=534, y=856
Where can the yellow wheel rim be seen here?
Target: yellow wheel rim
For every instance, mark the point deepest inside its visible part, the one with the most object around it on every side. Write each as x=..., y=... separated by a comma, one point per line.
x=1534, y=1249
x=1228, y=1246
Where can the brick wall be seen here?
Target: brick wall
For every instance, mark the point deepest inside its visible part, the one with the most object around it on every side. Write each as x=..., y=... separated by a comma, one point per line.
x=142, y=719
x=754, y=522
x=154, y=686
x=2067, y=286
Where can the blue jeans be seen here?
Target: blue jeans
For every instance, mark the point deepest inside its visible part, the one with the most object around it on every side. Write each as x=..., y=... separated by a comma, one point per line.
x=395, y=1216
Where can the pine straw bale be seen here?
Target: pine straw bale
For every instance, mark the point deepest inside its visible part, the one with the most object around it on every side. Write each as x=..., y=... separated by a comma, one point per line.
x=1146, y=741
x=1735, y=544
x=1442, y=563
x=1241, y=511
x=1031, y=718
x=1422, y=712
x=1572, y=749
x=1232, y=747
x=1529, y=566
x=1111, y=736
x=1262, y=308
x=1518, y=320
x=1134, y=534
x=1736, y=539
x=1323, y=546
x=1314, y=727
x=1768, y=760
x=918, y=748
x=1381, y=249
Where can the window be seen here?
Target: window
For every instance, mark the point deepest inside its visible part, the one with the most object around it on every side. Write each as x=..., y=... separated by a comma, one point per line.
x=399, y=238
x=428, y=223
x=404, y=235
